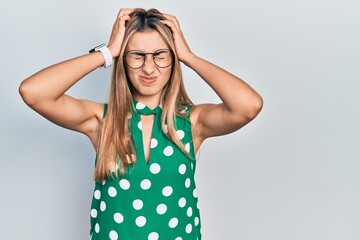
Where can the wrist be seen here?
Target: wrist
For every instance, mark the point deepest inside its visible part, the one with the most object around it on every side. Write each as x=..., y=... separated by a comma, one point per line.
x=108, y=59
x=189, y=59
x=112, y=51
x=99, y=58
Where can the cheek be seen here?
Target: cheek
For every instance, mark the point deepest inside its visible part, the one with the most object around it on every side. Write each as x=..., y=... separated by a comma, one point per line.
x=166, y=75
x=131, y=76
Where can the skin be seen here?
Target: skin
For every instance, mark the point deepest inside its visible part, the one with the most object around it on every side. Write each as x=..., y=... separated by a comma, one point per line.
x=45, y=90
x=148, y=41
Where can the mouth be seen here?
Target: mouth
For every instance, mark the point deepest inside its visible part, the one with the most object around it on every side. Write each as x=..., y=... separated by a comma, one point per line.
x=148, y=80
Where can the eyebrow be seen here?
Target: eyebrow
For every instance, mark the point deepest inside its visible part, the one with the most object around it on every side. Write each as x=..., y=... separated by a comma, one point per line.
x=147, y=51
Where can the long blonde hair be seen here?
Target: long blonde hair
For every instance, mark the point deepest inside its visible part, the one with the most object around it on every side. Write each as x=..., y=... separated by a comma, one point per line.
x=115, y=140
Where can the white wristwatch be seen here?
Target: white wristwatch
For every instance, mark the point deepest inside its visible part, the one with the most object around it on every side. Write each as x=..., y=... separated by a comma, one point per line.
x=106, y=53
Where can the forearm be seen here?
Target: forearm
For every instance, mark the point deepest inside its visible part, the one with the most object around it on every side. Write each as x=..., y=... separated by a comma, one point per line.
x=52, y=82
x=237, y=96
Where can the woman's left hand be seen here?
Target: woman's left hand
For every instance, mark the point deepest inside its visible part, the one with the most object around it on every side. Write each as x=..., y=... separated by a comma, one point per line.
x=182, y=48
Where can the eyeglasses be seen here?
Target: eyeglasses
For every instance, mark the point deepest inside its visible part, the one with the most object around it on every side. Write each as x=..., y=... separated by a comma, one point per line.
x=136, y=59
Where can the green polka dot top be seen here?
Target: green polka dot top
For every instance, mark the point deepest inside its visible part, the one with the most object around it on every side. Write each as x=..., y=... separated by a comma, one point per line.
x=155, y=200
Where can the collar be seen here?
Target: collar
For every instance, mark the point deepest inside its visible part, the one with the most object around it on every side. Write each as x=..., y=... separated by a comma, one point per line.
x=141, y=108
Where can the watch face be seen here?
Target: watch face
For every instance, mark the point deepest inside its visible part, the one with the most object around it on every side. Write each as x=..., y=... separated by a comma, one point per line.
x=97, y=48
x=100, y=46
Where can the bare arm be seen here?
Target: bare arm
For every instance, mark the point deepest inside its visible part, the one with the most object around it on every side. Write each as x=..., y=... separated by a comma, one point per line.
x=240, y=103
x=45, y=90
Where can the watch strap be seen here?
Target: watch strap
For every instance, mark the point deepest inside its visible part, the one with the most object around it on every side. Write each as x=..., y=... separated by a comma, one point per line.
x=106, y=54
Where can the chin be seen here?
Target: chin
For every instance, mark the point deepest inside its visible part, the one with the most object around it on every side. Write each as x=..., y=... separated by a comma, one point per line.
x=147, y=92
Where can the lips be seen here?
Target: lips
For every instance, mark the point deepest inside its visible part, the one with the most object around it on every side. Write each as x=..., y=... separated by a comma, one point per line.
x=147, y=80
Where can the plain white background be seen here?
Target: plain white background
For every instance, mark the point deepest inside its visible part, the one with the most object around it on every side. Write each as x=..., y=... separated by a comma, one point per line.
x=292, y=173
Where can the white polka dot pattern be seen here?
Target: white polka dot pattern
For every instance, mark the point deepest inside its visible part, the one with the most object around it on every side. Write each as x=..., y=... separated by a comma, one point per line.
x=153, y=236
x=173, y=222
x=153, y=143
x=118, y=218
x=145, y=184
x=159, y=197
x=167, y=191
x=196, y=221
x=137, y=204
x=187, y=147
x=182, y=202
x=188, y=228
x=140, y=221
x=97, y=194
x=182, y=169
x=93, y=213
x=189, y=212
x=180, y=134
x=102, y=206
x=112, y=192
x=124, y=184
x=140, y=106
x=97, y=228
x=155, y=168
x=187, y=183
x=113, y=235
x=195, y=193
x=161, y=209
x=168, y=151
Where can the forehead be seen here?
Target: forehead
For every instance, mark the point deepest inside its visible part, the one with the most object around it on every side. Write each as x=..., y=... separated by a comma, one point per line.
x=146, y=41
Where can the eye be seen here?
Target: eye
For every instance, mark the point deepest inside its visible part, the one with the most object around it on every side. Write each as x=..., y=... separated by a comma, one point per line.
x=161, y=54
x=136, y=55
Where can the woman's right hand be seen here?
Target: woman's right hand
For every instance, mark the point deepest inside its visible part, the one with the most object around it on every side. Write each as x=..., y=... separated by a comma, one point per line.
x=118, y=31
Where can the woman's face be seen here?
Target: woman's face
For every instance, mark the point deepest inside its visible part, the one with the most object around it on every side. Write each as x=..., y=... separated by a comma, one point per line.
x=148, y=80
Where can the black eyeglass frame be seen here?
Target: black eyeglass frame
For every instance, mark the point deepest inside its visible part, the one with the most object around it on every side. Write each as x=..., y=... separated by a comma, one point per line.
x=153, y=57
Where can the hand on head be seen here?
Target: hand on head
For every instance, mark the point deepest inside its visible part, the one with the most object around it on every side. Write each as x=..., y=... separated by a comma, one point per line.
x=181, y=46
x=118, y=31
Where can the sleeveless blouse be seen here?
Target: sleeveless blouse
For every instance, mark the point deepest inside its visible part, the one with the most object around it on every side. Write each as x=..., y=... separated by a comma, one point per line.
x=155, y=200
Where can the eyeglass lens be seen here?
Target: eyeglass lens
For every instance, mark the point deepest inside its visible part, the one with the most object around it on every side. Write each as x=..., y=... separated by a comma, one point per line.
x=136, y=59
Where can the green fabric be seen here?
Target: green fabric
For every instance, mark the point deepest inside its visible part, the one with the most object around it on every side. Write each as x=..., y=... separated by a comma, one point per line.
x=155, y=200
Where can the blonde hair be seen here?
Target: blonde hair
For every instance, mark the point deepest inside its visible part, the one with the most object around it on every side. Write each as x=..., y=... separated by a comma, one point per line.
x=115, y=140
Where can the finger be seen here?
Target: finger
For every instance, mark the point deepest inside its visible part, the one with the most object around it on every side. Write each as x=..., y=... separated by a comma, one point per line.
x=124, y=18
x=168, y=16
x=172, y=18
x=124, y=11
x=120, y=21
x=171, y=25
x=168, y=23
x=124, y=14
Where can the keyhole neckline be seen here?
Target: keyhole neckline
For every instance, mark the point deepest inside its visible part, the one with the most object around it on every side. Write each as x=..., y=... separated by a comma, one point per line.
x=141, y=108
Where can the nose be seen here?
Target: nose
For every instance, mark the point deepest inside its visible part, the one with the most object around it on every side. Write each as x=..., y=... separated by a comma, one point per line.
x=149, y=65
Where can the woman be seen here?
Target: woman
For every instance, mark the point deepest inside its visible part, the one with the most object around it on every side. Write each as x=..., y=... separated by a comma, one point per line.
x=144, y=137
